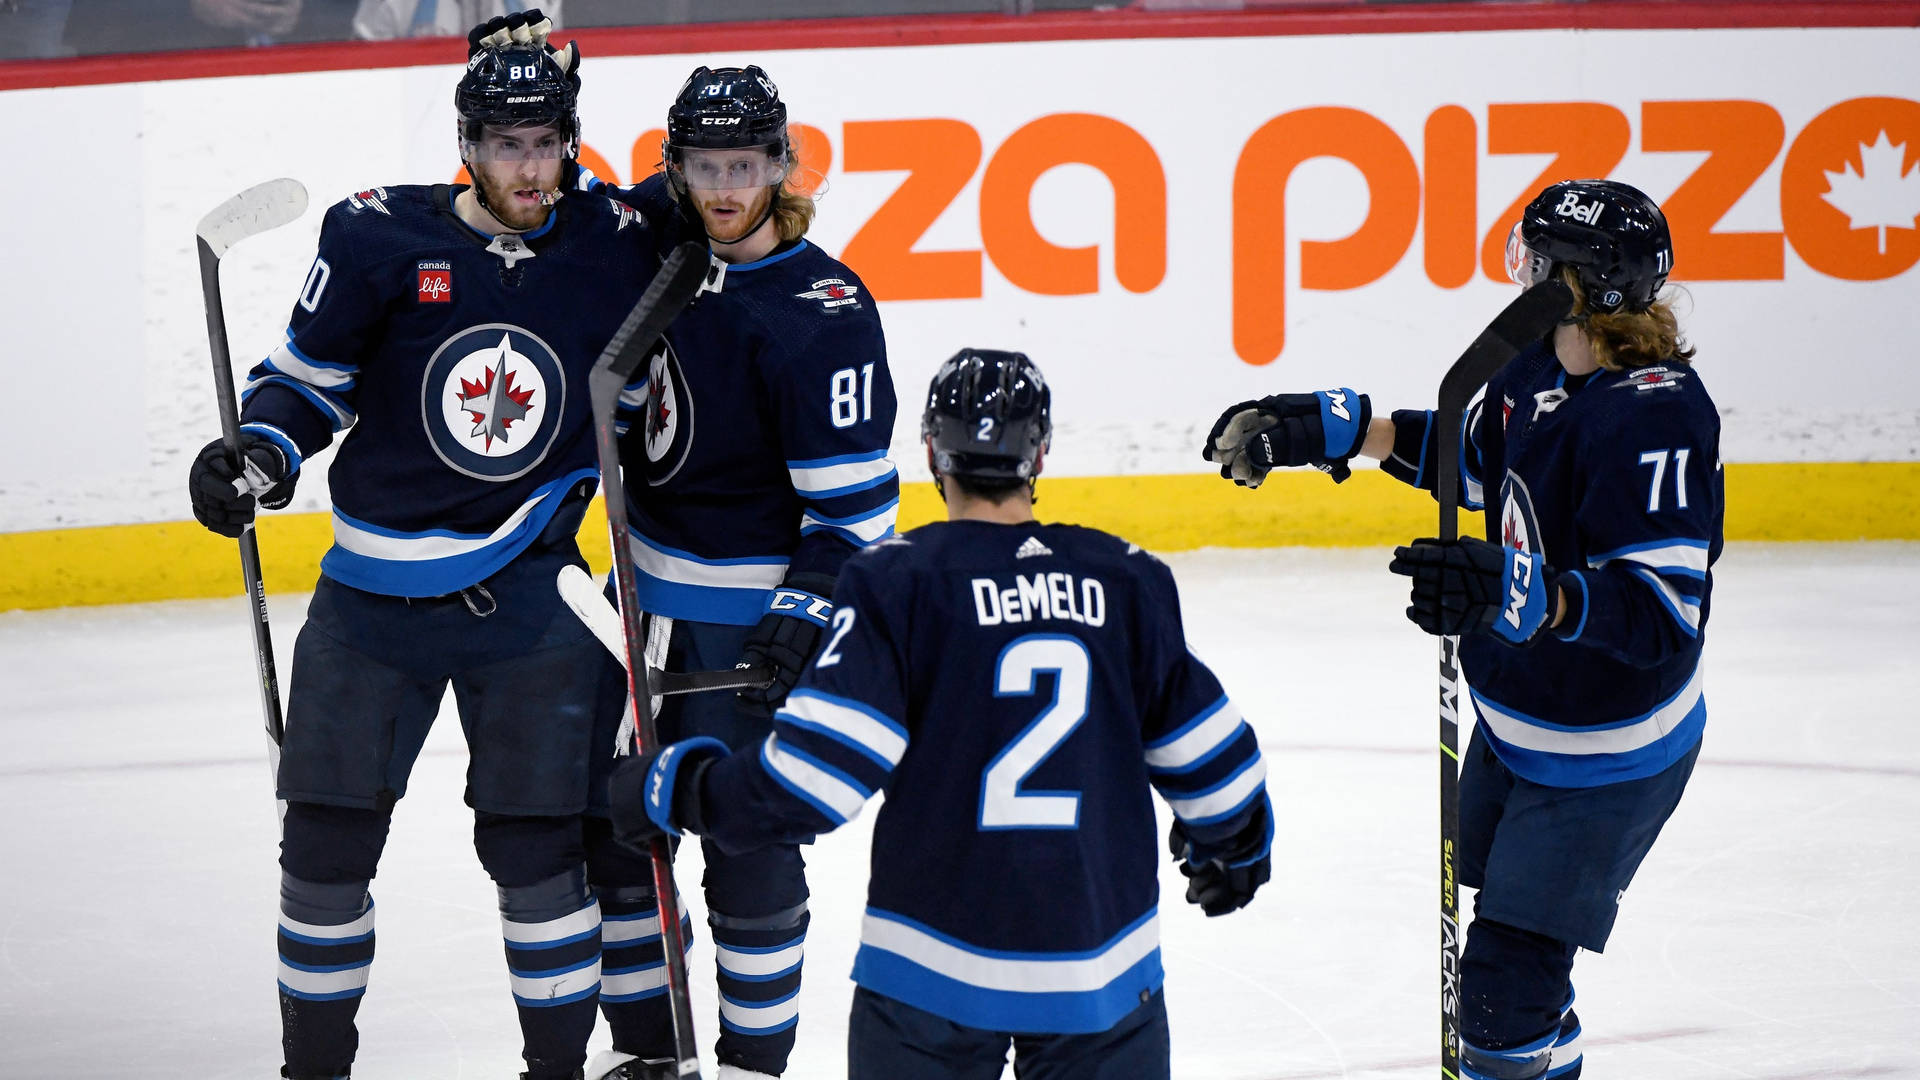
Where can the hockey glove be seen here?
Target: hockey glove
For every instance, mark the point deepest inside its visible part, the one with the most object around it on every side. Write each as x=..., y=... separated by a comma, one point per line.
x=1470, y=586
x=786, y=638
x=528, y=27
x=1222, y=877
x=224, y=503
x=1323, y=429
x=657, y=793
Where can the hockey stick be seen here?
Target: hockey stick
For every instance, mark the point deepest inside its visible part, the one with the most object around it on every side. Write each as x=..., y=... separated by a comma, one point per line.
x=1531, y=316
x=253, y=211
x=671, y=290
x=584, y=599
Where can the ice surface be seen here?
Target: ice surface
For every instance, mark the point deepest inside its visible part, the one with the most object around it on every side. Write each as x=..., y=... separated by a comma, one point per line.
x=1771, y=934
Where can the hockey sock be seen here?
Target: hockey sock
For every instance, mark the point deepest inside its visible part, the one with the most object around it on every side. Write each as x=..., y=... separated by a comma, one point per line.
x=758, y=962
x=1508, y=977
x=326, y=950
x=633, y=971
x=552, y=931
x=1564, y=1062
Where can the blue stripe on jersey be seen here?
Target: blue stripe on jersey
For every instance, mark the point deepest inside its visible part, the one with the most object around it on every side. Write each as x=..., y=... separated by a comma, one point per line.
x=1420, y=469
x=1196, y=742
x=779, y=256
x=1675, y=556
x=1684, y=609
x=1559, y=755
x=1222, y=800
x=1055, y=993
x=279, y=438
x=1473, y=494
x=336, y=413
x=1586, y=603
x=435, y=562
x=837, y=796
x=681, y=585
x=853, y=724
x=860, y=529
x=827, y=478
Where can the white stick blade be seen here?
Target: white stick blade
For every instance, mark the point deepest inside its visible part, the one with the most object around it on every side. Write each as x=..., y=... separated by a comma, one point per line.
x=253, y=211
x=584, y=598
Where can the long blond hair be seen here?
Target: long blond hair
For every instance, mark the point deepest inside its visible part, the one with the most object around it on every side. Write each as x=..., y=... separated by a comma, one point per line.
x=1624, y=340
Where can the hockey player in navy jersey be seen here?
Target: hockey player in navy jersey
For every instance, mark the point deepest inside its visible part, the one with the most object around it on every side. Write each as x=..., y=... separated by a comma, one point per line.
x=1584, y=614
x=1017, y=690
x=448, y=332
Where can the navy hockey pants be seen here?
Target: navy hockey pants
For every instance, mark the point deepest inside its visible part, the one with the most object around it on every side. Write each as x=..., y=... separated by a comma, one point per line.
x=369, y=674
x=888, y=1039
x=756, y=900
x=1550, y=866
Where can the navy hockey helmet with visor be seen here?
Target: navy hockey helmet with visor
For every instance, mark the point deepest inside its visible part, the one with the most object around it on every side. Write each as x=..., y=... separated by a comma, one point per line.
x=726, y=130
x=510, y=88
x=989, y=416
x=1612, y=235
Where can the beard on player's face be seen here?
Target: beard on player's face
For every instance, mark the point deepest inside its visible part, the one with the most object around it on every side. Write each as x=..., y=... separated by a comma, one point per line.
x=733, y=213
x=514, y=190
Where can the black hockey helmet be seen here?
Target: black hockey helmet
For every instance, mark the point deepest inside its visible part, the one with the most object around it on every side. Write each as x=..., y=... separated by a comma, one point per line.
x=516, y=86
x=1610, y=233
x=726, y=109
x=989, y=415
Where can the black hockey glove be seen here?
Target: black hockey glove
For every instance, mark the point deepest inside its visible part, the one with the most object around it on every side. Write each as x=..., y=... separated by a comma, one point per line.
x=786, y=638
x=225, y=504
x=1323, y=429
x=528, y=27
x=1222, y=877
x=1470, y=586
x=657, y=793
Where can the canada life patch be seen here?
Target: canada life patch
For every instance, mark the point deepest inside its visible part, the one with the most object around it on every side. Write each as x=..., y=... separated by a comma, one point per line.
x=436, y=281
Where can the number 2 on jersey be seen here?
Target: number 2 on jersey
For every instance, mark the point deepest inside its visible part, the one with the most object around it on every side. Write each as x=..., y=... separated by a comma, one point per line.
x=1002, y=804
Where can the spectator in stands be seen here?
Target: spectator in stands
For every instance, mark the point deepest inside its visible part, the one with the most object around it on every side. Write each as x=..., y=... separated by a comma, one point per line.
x=380, y=19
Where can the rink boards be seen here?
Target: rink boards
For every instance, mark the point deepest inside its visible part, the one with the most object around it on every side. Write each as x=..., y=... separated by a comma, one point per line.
x=1167, y=224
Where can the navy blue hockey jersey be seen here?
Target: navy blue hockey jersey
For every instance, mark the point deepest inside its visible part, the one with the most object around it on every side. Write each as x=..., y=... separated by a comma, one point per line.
x=1615, y=479
x=458, y=361
x=1016, y=691
x=762, y=448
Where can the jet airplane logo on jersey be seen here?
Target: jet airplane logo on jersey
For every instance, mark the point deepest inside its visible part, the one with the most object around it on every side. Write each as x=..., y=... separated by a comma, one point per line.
x=667, y=418
x=491, y=401
x=832, y=293
x=1653, y=378
x=370, y=199
x=495, y=404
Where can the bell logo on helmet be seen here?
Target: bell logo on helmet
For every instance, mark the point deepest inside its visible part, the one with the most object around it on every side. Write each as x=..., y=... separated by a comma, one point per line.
x=1570, y=206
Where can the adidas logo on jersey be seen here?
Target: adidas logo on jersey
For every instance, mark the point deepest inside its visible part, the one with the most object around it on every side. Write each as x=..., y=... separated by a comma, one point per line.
x=1032, y=547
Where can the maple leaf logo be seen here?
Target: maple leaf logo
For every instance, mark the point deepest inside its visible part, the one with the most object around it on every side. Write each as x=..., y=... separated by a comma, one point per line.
x=494, y=402
x=1884, y=194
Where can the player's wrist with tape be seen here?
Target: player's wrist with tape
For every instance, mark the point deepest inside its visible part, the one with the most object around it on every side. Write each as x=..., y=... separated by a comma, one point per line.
x=1405, y=457
x=1571, y=589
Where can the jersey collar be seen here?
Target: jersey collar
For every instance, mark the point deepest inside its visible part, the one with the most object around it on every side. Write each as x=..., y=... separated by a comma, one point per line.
x=735, y=268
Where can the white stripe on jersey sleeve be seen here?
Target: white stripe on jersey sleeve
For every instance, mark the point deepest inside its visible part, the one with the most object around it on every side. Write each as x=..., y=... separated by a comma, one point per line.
x=868, y=528
x=1683, y=609
x=852, y=725
x=1225, y=798
x=816, y=478
x=1688, y=557
x=1196, y=739
x=836, y=798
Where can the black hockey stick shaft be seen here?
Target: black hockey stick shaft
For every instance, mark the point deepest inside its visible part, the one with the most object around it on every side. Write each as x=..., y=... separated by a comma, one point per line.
x=249, y=543
x=1531, y=316
x=251, y=212
x=757, y=677
x=671, y=290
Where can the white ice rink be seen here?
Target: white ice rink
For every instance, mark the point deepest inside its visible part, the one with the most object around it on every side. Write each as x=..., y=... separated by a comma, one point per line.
x=1771, y=935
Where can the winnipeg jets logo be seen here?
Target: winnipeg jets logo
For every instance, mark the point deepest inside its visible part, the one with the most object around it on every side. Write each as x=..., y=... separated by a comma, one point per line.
x=1519, y=527
x=491, y=399
x=371, y=199
x=832, y=293
x=666, y=416
x=495, y=403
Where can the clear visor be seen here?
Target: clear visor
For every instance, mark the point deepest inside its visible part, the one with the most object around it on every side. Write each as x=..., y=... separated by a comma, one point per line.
x=1525, y=266
x=725, y=170
x=516, y=144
